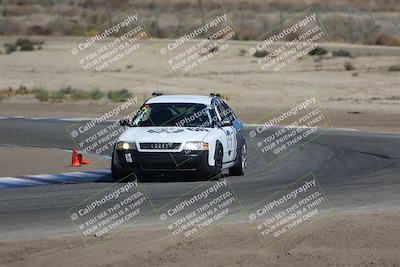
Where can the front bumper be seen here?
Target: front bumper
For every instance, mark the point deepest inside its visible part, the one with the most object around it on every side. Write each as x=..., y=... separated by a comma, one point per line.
x=164, y=162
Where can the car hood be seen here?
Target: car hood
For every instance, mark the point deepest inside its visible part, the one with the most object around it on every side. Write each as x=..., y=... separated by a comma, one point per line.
x=164, y=134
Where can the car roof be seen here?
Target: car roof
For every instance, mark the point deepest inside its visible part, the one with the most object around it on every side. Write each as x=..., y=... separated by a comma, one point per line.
x=197, y=99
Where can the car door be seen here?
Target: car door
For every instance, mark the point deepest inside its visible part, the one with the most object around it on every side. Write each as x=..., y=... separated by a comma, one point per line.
x=237, y=125
x=229, y=140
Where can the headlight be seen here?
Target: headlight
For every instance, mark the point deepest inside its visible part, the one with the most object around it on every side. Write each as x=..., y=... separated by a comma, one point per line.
x=125, y=146
x=195, y=146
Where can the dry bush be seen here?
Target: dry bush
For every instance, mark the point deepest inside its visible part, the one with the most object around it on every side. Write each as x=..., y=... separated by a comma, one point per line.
x=251, y=18
x=394, y=68
x=341, y=53
x=261, y=53
x=318, y=51
x=23, y=10
x=38, y=30
x=349, y=66
x=75, y=30
x=387, y=40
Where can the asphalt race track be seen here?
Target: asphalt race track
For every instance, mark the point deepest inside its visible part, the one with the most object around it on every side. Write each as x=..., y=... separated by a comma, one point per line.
x=358, y=171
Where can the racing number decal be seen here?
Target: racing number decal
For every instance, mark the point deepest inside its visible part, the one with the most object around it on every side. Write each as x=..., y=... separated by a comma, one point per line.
x=233, y=139
x=229, y=145
x=230, y=141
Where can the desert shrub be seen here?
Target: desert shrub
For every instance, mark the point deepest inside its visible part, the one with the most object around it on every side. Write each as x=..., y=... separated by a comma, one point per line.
x=41, y=94
x=76, y=30
x=57, y=96
x=4, y=94
x=67, y=90
x=387, y=40
x=349, y=66
x=25, y=44
x=10, y=48
x=394, y=68
x=318, y=51
x=213, y=49
x=79, y=94
x=119, y=96
x=22, y=90
x=242, y=52
x=341, y=53
x=261, y=53
x=38, y=30
x=95, y=94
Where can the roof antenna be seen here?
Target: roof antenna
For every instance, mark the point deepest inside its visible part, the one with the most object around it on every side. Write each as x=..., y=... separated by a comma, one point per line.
x=156, y=94
x=216, y=95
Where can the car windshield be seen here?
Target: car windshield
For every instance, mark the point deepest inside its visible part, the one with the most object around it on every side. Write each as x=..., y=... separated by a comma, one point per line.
x=173, y=114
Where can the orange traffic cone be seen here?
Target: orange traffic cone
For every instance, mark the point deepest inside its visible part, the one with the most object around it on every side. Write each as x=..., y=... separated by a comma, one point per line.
x=83, y=161
x=75, y=159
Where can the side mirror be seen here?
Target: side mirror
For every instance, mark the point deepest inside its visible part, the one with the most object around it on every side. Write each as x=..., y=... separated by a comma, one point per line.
x=124, y=122
x=225, y=123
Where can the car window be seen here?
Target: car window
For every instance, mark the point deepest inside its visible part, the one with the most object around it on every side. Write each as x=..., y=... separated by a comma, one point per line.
x=173, y=114
x=221, y=111
x=228, y=112
x=225, y=111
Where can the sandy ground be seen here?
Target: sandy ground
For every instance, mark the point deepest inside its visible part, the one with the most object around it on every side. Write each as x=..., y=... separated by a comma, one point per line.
x=336, y=240
x=17, y=161
x=365, y=98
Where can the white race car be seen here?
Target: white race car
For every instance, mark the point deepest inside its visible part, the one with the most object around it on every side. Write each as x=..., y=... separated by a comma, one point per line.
x=198, y=136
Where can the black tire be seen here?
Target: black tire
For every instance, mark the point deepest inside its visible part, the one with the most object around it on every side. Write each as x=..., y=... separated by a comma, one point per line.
x=241, y=162
x=218, y=157
x=117, y=174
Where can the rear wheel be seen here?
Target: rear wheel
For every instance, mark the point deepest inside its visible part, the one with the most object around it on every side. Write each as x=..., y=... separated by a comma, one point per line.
x=241, y=162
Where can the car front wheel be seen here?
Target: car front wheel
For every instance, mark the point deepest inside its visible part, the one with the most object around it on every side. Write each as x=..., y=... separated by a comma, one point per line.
x=217, y=169
x=117, y=174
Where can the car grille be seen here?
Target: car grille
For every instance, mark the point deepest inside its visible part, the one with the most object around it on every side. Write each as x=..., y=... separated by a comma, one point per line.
x=160, y=146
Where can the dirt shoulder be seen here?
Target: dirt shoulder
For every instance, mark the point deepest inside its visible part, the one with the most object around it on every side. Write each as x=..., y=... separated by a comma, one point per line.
x=18, y=161
x=339, y=240
x=366, y=97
